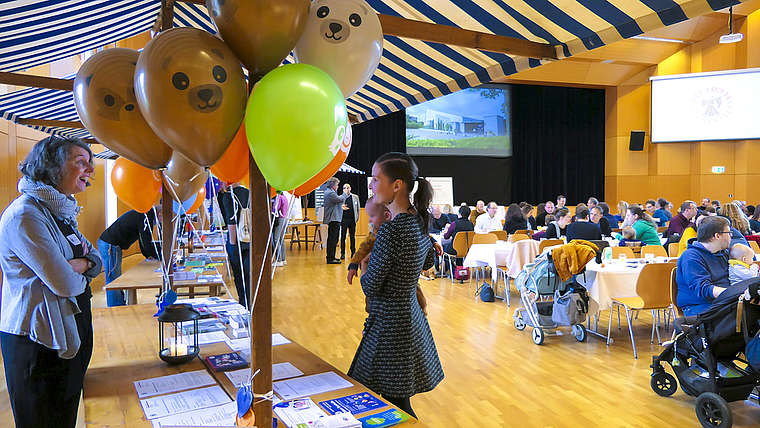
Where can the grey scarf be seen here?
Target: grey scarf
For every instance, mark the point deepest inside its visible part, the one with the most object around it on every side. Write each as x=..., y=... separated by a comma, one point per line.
x=60, y=205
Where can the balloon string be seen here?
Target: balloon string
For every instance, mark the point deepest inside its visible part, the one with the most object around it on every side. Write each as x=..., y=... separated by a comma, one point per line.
x=235, y=204
x=216, y=209
x=261, y=271
x=146, y=225
x=203, y=245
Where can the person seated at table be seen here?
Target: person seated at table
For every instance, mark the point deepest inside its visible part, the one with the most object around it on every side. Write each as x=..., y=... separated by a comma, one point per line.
x=629, y=238
x=596, y=217
x=438, y=220
x=740, y=264
x=620, y=216
x=556, y=228
x=548, y=209
x=681, y=220
x=611, y=220
x=646, y=230
x=515, y=220
x=705, y=204
x=583, y=228
x=754, y=221
x=651, y=206
x=702, y=271
x=488, y=221
x=480, y=209
x=129, y=228
x=738, y=219
x=662, y=212
x=561, y=201
x=459, y=225
x=448, y=211
x=527, y=210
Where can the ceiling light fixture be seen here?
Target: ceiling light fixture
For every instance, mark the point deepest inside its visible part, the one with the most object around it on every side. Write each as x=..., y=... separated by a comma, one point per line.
x=659, y=39
x=731, y=37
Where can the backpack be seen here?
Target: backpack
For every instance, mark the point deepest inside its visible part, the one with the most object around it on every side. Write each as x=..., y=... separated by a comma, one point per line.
x=462, y=273
x=486, y=293
x=244, y=225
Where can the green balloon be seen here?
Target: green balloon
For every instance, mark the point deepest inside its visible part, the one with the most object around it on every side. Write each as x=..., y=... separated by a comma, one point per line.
x=295, y=122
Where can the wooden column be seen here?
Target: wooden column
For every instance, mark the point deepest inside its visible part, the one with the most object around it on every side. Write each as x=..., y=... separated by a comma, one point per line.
x=261, y=324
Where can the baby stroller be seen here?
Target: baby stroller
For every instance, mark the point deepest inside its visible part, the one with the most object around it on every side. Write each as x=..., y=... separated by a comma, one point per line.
x=537, y=282
x=705, y=355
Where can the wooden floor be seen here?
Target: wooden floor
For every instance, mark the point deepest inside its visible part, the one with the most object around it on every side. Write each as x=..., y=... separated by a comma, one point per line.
x=495, y=375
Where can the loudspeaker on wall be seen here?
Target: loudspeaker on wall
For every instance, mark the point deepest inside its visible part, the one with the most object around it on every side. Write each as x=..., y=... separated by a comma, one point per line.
x=637, y=141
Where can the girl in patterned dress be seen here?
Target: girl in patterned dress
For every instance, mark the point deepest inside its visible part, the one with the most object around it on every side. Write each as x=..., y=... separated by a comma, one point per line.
x=397, y=356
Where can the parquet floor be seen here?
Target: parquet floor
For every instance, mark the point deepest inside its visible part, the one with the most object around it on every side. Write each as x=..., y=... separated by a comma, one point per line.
x=495, y=375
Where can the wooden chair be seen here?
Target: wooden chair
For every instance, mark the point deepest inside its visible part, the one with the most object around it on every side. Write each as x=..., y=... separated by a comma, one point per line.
x=674, y=294
x=549, y=243
x=673, y=249
x=625, y=250
x=662, y=229
x=518, y=237
x=754, y=246
x=653, y=293
x=521, y=232
x=657, y=250
x=616, y=230
x=484, y=238
x=501, y=235
x=461, y=244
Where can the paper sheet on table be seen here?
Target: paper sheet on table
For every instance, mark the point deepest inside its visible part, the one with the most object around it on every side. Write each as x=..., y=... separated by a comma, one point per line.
x=212, y=337
x=279, y=371
x=291, y=416
x=220, y=416
x=173, y=383
x=309, y=385
x=278, y=339
x=184, y=276
x=239, y=344
x=185, y=401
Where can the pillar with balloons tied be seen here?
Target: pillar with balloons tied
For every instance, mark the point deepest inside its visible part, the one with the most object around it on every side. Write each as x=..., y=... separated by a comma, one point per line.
x=181, y=107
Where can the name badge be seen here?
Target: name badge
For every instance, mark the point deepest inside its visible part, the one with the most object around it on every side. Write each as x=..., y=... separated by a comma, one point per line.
x=74, y=240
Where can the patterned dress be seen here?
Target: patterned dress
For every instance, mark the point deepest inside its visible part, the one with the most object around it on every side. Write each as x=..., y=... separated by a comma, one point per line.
x=397, y=355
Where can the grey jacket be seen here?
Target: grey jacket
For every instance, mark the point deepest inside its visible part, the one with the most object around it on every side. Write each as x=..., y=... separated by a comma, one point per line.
x=332, y=205
x=39, y=285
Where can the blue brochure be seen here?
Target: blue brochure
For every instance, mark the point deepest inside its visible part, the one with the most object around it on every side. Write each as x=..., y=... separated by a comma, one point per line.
x=354, y=404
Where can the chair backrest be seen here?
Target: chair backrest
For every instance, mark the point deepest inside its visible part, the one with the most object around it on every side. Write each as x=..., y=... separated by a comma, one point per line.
x=521, y=231
x=754, y=246
x=616, y=230
x=484, y=238
x=501, y=235
x=518, y=237
x=657, y=250
x=673, y=249
x=662, y=229
x=549, y=243
x=601, y=244
x=462, y=242
x=674, y=293
x=625, y=250
x=653, y=285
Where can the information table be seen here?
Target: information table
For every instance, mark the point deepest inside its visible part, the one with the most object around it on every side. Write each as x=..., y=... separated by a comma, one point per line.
x=126, y=350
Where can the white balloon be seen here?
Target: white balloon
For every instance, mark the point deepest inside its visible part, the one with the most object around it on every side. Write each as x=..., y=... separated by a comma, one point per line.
x=344, y=39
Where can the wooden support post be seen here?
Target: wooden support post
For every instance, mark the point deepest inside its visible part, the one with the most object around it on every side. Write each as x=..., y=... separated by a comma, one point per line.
x=261, y=324
x=167, y=235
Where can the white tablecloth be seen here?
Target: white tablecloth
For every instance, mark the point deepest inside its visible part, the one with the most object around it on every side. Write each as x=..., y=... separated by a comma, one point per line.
x=613, y=280
x=512, y=255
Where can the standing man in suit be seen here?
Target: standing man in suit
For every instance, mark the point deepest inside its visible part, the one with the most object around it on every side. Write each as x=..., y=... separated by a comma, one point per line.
x=333, y=215
x=351, y=209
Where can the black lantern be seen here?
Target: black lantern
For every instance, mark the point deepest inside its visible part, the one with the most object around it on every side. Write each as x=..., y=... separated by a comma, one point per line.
x=178, y=334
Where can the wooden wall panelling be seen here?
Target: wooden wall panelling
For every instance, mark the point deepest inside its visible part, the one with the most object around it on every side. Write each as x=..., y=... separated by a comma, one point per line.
x=751, y=30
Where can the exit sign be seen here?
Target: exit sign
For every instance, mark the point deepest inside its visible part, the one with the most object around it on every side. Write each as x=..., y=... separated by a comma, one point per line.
x=718, y=169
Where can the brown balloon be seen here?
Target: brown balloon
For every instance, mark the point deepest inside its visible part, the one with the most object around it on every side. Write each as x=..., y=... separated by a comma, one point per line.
x=104, y=95
x=262, y=33
x=191, y=88
x=183, y=177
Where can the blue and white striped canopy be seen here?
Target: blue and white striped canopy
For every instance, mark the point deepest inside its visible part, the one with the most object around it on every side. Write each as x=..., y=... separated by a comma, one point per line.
x=348, y=168
x=35, y=32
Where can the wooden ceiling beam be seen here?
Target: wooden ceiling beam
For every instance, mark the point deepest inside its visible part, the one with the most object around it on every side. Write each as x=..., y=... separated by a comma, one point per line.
x=18, y=79
x=444, y=34
x=52, y=123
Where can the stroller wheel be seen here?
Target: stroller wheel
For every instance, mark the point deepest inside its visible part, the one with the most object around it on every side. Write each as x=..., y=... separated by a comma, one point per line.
x=713, y=411
x=520, y=323
x=538, y=336
x=664, y=384
x=579, y=331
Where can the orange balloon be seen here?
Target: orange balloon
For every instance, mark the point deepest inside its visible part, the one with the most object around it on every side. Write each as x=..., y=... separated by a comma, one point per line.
x=233, y=166
x=198, y=200
x=330, y=169
x=136, y=185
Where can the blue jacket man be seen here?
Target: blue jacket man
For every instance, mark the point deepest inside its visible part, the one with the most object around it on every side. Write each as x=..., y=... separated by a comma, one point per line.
x=702, y=272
